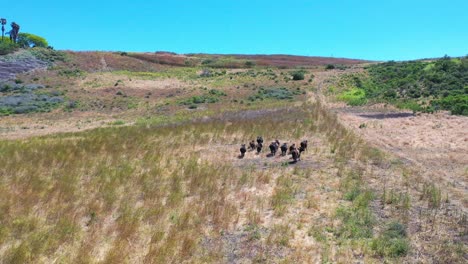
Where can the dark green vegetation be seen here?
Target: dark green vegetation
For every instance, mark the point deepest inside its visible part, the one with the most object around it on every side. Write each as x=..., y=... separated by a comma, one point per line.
x=213, y=96
x=7, y=47
x=298, y=75
x=275, y=93
x=17, y=98
x=49, y=55
x=392, y=242
x=440, y=84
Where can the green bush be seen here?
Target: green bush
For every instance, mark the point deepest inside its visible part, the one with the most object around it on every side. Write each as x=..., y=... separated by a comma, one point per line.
x=392, y=242
x=7, y=47
x=28, y=40
x=457, y=104
x=298, y=75
x=410, y=85
x=199, y=99
x=249, y=64
x=217, y=92
x=354, y=97
x=274, y=93
x=357, y=221
x=49, y=55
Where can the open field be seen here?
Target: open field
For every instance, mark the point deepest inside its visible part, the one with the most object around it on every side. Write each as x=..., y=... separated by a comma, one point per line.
x=140, y=164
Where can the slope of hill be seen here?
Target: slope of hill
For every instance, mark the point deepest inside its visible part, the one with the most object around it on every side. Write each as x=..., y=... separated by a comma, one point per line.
x=438, y=84
x=140, y=163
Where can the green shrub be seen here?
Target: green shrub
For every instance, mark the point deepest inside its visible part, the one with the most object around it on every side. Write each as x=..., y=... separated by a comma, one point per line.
x=249, y=64
x=354, y=97
x=199, y=99
x=298, y=75
x=392, y=242
x=7, y=47
x=28, y=40
x=457, y=104
x=274, y=93
x=217, y=92
x=49, y=55
x=71, y=73
x=357, y=220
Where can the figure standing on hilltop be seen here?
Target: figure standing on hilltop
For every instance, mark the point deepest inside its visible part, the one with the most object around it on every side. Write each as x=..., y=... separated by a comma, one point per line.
x=14, y=31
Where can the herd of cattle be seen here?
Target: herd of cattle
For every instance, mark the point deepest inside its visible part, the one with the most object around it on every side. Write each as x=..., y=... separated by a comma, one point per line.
x=274, y=146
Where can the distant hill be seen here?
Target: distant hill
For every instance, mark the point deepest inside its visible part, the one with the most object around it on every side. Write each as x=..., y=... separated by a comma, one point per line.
x=241, y=61
x=281, y=60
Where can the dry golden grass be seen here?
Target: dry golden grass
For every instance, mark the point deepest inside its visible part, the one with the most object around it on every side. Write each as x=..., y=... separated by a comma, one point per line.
x=171, y=188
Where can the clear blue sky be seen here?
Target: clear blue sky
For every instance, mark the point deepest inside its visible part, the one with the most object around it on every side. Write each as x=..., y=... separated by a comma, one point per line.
x=365, y=29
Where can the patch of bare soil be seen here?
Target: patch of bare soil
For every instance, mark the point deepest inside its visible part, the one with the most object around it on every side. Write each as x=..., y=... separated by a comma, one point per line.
x=435, y=143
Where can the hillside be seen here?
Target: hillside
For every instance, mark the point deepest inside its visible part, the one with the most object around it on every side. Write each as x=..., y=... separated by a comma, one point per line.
x=116, y=157
x=428, y=86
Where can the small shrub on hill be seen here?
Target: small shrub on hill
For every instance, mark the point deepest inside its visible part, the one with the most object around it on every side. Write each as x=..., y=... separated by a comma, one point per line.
x=392, y=242
x=49, y=55
x=7, y=47
x=298, y=75
x=354, y=97
x=274, y=93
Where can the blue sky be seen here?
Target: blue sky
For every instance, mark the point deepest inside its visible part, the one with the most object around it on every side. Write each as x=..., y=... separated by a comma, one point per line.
x=365, y=29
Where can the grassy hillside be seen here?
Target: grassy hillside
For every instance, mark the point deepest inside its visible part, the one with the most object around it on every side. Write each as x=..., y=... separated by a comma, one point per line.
x=439, y=84
x=156, y=177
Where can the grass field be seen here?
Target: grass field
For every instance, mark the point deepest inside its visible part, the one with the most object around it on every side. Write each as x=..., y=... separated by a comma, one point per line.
x=141, y=165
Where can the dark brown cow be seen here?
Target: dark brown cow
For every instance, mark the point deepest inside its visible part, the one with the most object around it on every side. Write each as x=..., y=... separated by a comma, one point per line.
x=259, y=140
x=284, y=149
x=252, y=144
x=292, y=147
x=243, y=150
x=303, y=146
x=273, y=148
x=259, y=147
x=295, y=155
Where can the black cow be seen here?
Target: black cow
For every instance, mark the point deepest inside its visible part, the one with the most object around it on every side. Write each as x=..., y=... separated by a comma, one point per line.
x=303, y=146
x=259, y=140
x=284, y=149
x=291, y=148
x=273, y=148
x=259, y=147
x=296, y=155
x=243, y=150
x=252, y=144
